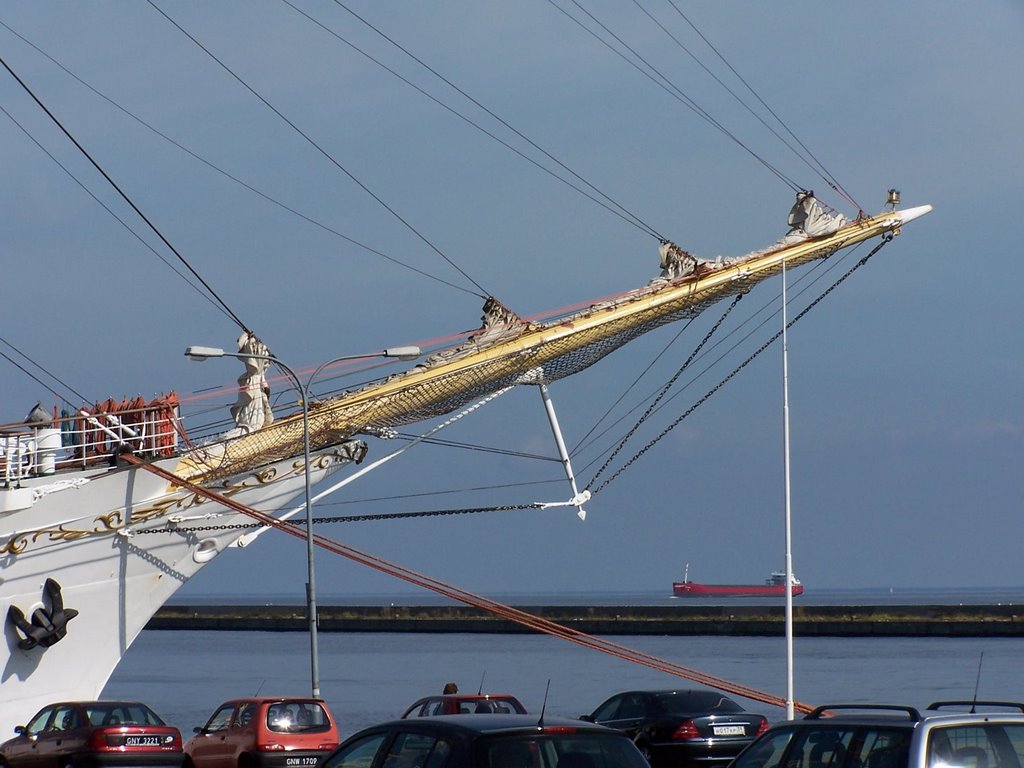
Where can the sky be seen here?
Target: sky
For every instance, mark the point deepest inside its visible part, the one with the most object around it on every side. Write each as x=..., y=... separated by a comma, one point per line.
x=905, y=384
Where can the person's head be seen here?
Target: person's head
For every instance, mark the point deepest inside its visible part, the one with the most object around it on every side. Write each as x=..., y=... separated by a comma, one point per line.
x=450, y=688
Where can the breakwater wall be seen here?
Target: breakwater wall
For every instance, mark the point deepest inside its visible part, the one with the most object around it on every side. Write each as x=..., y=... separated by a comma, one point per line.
x=809, y=621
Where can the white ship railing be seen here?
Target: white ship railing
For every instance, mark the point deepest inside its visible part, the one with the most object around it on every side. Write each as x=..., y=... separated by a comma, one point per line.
x=92, y=436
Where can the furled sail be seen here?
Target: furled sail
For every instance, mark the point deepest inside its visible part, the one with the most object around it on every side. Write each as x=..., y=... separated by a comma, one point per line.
x=509, y=351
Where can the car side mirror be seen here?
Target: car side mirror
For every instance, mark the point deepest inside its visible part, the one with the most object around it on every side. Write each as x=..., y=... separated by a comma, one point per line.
x=20, y=730
x=197, y=729
x=587, y=718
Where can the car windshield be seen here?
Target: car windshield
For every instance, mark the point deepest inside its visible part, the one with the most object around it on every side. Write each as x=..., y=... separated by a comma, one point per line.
x=490, y=706
x=559, y=750
x=118, y=713
x=686, y=702
x=294, y=716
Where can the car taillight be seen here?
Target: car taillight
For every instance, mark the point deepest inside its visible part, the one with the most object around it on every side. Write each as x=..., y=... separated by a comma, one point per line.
x=762, y=727
x=102, y=740
x=271, y=746
x=686, y=730
x=558, y=729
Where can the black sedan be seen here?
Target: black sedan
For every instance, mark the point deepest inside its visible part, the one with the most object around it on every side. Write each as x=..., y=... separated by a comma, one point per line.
x=683, y=728
x=485, y=741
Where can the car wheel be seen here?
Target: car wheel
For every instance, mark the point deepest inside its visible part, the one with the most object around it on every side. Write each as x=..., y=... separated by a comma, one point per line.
x=645, y=749
x=246, y=761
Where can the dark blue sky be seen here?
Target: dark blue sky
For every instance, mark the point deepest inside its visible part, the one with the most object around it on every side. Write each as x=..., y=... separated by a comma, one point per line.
x=905, y=384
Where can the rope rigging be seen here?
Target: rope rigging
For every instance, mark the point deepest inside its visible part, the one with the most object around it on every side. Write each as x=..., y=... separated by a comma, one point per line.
x=810, y=160
x=330, y=158
x=647, y=369
x=611, y=205
x=885, y=240
x=226, y=174
x=35, y=378
x=188, y=281
x=585, y=443
x=646, y=68
x=654, y=406
x=516, y=615
x=662, y=81
x=124, y=196
x=664, y=390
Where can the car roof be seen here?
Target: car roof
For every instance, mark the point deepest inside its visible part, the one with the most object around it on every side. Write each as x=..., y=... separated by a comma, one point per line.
x=271, y=699
x=657, y=693
x=467, y=696
x=843, y=712
x=670, y=690
x=975, y=703
x=900, y=715
x=495, y=724
x=99, y=703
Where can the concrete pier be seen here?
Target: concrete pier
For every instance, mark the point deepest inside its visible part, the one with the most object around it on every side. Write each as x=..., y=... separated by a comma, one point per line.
x=689, y=619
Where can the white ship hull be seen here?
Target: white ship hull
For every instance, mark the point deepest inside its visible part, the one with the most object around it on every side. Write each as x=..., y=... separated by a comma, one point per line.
x=119, y=546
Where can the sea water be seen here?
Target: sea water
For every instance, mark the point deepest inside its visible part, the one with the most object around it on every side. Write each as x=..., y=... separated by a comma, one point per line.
x=370, y=677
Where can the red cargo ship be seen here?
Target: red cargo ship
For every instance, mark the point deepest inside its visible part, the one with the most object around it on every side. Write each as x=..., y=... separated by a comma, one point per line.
x=774, y=585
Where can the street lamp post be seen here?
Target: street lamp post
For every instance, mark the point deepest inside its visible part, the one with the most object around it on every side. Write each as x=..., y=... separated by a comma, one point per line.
x=200, y=353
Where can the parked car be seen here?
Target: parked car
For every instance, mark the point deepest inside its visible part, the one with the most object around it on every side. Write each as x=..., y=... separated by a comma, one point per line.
x=486, y=741
x=264, y=732
x=891, y=736
x=92, y=734
x=466, y=703
x=678, y=728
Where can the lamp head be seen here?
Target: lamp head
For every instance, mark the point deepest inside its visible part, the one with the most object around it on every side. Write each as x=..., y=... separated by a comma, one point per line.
x=199, y=353
x=403, y=353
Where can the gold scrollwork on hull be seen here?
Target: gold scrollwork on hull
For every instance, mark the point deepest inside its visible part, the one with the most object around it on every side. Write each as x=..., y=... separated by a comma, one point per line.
x=106, y=524
x=114, y=521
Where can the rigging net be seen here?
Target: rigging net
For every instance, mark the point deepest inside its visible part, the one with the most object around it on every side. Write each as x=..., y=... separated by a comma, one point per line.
x=517, y=352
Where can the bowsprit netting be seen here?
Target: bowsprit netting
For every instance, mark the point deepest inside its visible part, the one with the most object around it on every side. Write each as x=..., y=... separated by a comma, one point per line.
x=517, y=352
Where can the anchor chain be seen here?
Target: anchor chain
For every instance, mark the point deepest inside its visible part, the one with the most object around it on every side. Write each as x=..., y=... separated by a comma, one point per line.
x=350, y=518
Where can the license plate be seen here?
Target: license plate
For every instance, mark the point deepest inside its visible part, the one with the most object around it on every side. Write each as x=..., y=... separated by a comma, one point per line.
x=301, y=762
x=142, y=741
x=727, y=730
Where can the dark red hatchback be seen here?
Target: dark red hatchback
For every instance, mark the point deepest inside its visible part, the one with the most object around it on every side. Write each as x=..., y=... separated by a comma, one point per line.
x=264, y=732
x=94, y=734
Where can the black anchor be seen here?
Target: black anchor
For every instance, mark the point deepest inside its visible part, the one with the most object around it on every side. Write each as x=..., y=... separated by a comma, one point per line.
x=46, y=626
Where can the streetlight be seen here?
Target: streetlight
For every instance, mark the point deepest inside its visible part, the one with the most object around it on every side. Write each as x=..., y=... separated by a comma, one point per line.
x=199, y=353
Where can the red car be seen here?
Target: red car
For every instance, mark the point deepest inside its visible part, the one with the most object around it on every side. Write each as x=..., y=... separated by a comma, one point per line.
x=94, y=734
x=466, y=703
x=264, y=732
